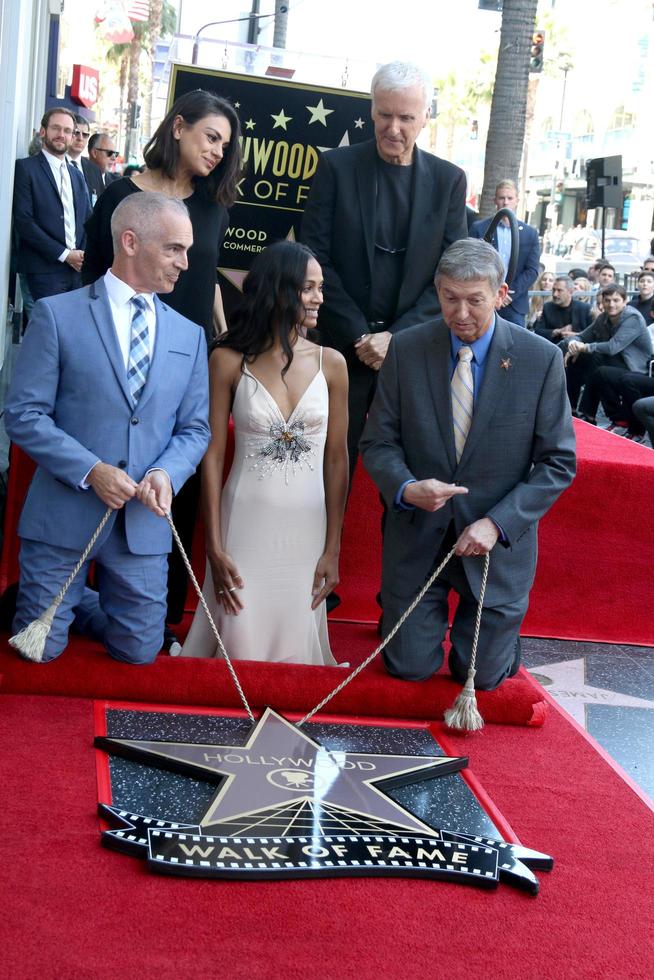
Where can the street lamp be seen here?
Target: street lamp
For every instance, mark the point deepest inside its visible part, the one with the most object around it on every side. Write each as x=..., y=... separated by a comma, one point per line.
x=235, y=20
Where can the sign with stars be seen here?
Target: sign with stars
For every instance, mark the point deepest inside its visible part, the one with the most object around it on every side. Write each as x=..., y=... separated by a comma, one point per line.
x=287, y=806
x=285, y=127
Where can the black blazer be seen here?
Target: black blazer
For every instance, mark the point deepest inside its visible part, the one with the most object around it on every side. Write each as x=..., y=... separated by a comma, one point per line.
x=39, y=215
x=93, y=177
x=339, y=226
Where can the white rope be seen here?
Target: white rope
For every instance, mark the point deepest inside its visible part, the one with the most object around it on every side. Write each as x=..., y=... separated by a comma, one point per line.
x=30, y=641
x=214, y=628
x=430, y=581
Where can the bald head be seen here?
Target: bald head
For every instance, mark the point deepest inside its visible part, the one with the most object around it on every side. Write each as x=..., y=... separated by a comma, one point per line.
x=151, y=235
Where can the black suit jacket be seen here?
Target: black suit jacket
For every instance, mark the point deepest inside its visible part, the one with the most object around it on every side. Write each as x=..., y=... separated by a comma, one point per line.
x=93, y=177
x=339, y=226
x=39, y=215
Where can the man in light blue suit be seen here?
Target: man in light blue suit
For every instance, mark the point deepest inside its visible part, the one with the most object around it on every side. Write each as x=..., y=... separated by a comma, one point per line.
x=516, y=303
x=109, y=397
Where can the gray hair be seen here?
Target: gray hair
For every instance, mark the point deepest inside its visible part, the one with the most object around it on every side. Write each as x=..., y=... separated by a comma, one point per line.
x=142, y=213
x=471, y=258
x=567, y=282
x=399, y=75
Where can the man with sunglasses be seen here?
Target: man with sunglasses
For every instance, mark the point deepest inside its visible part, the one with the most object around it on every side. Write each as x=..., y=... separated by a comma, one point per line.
x=102, y=153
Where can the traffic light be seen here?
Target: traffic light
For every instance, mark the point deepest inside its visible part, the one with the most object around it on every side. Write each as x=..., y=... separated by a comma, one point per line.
x=537, y=45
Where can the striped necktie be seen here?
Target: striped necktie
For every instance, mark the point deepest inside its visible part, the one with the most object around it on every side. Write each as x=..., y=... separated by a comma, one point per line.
x=66, y=191
x=462, y=393
x=138, y=363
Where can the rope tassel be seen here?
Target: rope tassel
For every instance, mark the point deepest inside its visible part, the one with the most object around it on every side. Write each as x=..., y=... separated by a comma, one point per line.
x=31, y=640
x=464, y=713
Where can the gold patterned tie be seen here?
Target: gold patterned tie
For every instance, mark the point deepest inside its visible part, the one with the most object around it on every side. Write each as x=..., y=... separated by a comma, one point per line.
x=462, y=393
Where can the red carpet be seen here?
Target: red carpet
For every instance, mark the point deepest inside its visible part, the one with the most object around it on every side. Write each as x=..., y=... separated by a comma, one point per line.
x=85, y=670
x=594, y=579
x=595, y=576
x=76, y=910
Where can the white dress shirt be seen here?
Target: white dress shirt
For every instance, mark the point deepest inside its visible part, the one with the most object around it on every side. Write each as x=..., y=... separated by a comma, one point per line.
x=55, y=166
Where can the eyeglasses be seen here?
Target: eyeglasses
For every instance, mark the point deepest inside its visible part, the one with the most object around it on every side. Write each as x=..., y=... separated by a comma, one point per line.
x=110, y=153
x=78, y=132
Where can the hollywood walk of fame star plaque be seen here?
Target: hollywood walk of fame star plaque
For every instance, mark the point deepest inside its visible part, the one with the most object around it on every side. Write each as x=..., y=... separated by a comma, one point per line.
x=288, y=806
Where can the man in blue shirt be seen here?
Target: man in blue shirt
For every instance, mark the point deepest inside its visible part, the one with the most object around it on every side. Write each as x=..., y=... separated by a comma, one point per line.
x=515, y=304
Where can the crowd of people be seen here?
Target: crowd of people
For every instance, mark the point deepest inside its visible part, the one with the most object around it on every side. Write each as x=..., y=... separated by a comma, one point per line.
x=386, y=330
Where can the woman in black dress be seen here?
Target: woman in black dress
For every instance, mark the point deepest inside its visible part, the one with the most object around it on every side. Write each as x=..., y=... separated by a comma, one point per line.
x=195, y=155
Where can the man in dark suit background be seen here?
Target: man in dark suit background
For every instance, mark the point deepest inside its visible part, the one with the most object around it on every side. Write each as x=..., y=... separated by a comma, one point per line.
x=470, y=441
x=516, y=303
x=98, y=175
x=50, y=207
x=378, y=217
x=81, y=136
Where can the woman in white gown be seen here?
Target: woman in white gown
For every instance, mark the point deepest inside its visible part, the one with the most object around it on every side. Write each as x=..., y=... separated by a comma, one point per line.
x=273, y=531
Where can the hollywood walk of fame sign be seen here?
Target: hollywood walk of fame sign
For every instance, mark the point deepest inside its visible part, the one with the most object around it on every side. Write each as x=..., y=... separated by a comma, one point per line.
x=285, y=127
x=288, y=807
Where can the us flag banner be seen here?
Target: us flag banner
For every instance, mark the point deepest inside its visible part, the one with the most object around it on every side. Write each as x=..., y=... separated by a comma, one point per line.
x=285, y=127
x=138, y=9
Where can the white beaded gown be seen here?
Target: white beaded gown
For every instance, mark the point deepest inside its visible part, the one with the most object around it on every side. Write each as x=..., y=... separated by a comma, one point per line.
x=273, y=523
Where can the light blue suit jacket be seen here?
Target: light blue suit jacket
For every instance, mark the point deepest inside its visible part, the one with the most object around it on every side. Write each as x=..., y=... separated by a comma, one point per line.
x=69, y=405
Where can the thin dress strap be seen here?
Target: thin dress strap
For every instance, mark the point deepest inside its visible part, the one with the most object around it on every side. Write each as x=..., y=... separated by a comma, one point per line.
x=320, y=360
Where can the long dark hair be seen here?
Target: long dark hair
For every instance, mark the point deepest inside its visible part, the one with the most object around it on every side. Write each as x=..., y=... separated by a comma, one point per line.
x=162, y=151
x=271, y=303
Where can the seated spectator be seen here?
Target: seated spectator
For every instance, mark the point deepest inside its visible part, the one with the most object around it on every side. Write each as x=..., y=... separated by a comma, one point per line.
x=582, y=285
x=644, y=302
x=648, y=264
x=616, y=342
x=644, y=412
x=634, y=393
x=543, y=284
x=562, y=316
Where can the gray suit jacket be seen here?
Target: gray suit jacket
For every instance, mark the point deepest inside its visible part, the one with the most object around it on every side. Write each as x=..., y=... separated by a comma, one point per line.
x=519, y=455
x=69, y=405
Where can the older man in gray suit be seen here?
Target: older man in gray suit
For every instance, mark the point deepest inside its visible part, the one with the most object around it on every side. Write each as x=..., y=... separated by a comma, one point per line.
x=470, y=441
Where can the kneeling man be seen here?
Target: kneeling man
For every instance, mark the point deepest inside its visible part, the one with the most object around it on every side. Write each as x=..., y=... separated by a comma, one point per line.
x=109, y=397
x=470, y=441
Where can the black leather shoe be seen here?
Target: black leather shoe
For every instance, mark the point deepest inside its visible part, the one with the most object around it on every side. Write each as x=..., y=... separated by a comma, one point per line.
x=332, y=601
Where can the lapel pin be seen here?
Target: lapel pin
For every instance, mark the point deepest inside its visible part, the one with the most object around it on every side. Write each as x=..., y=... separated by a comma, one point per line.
x=505, y=363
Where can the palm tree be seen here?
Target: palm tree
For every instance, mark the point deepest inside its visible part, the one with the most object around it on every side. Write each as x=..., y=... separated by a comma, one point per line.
x=161, y=23
x=509, y=105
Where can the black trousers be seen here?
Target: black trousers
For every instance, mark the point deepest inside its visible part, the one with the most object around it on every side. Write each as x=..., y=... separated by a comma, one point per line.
x=184, y=512
x=363, y=384
x=62, y=280
x=603, y=385
x=633, y=388
x=577, y=375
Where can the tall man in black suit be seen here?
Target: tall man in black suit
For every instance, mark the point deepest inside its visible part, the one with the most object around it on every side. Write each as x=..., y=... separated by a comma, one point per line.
x=50, y=207
x=378, y=217
x=516, y=302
